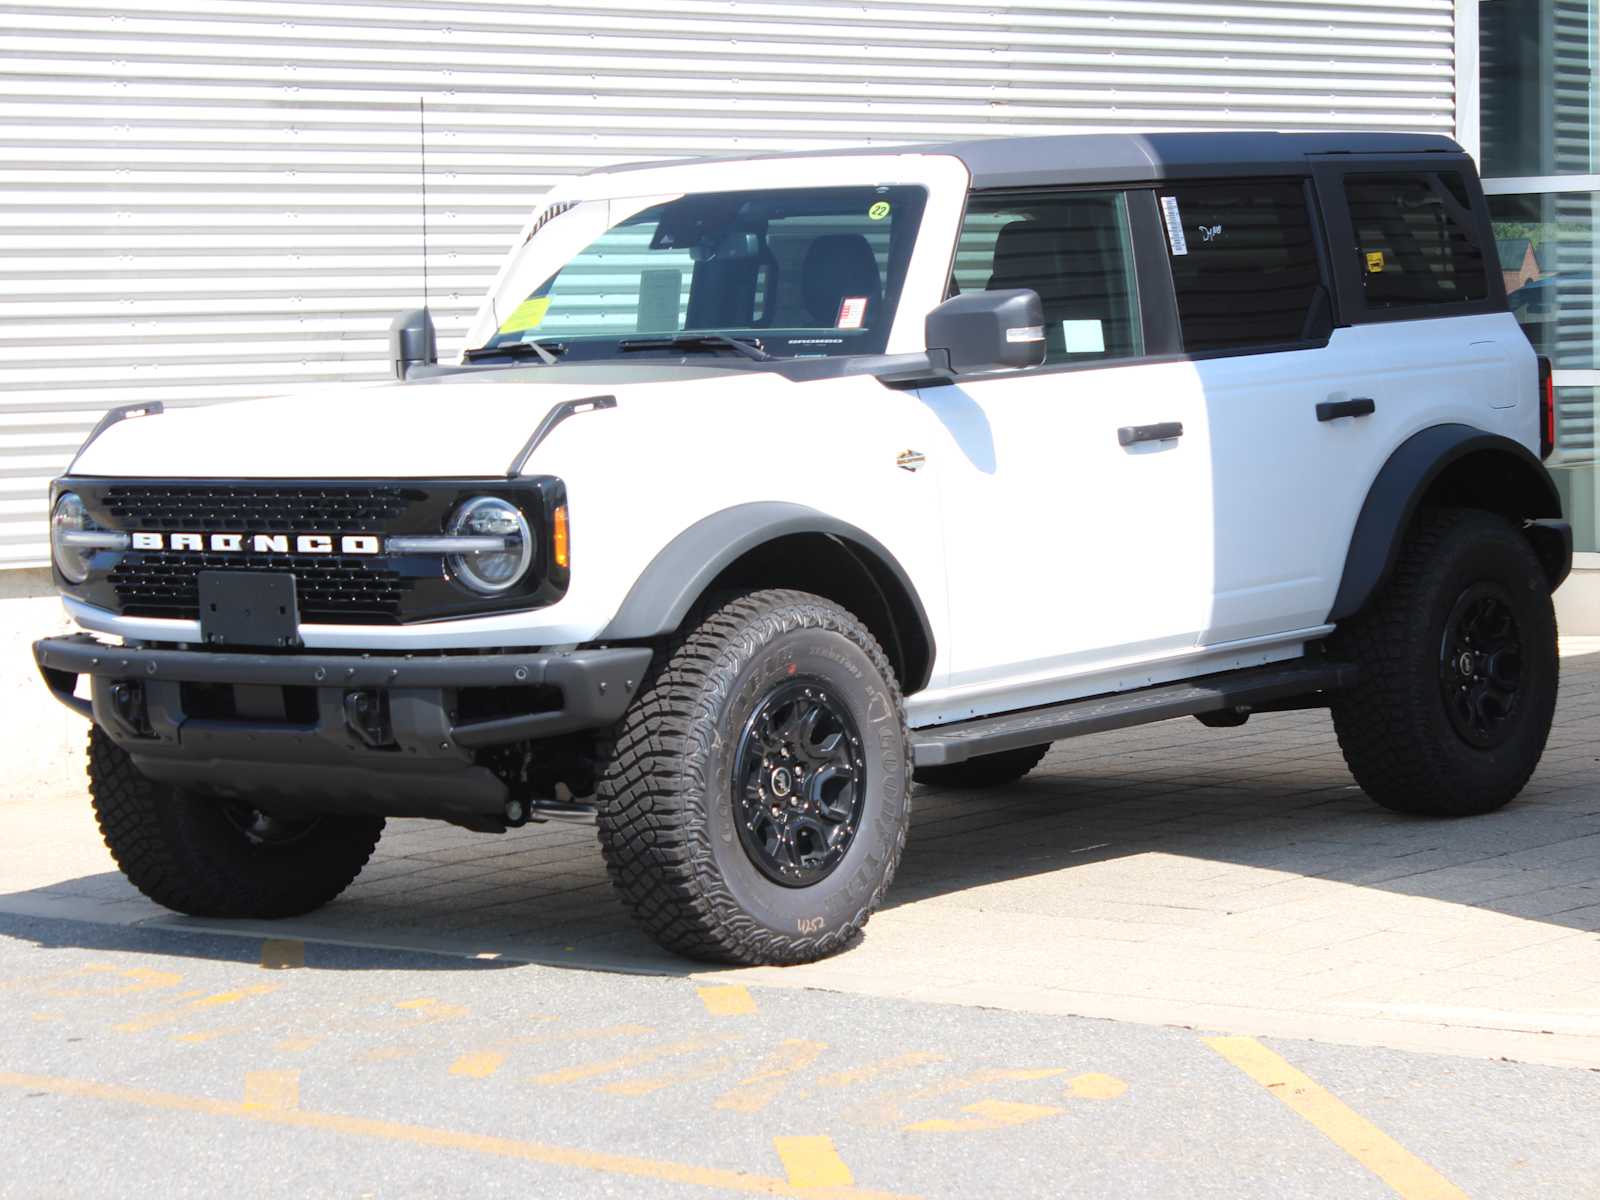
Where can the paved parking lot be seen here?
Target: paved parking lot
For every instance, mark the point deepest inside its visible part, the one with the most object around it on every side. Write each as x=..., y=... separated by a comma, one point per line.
x=194, y=1063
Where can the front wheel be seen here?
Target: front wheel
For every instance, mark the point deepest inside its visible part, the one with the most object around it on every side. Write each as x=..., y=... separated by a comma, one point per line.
x=210, y=857
x=755, y=800
x=1459, y=670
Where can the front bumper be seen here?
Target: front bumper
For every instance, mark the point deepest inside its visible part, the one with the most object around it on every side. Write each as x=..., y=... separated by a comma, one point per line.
x=400, y=735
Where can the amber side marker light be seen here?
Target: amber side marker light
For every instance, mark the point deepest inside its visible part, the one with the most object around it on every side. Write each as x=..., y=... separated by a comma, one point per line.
x=558, y=538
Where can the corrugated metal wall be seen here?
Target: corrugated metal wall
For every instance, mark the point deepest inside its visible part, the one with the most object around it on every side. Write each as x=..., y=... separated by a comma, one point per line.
x=219, y=199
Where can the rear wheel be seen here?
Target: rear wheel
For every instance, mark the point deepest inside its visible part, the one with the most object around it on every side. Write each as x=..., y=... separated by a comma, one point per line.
x=1459, y=670
x=210, y=857
x=755, y=801
x=986, y=770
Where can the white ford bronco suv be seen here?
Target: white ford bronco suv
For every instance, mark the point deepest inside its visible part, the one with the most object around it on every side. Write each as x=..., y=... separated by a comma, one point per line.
x=765, y=486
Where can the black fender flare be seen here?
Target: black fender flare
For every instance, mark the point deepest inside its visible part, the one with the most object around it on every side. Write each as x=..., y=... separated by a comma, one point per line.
x=685, y=568
x=1520, y=487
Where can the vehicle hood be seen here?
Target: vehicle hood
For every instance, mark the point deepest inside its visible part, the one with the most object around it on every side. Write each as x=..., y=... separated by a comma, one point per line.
x=470, y=425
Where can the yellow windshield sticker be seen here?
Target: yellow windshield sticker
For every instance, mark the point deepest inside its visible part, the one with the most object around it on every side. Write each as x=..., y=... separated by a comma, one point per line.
x=527, y=315
x=879, y=211
x=1374, y=262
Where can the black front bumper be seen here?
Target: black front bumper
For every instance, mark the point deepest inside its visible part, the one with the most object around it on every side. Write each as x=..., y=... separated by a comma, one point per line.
x=400, y=735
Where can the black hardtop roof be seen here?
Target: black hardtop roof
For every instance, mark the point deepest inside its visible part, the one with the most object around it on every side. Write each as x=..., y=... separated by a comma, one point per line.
x=1137, y=157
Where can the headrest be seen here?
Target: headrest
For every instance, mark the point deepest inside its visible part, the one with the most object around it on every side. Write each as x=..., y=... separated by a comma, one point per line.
x=838, y=265
x=1025, y=252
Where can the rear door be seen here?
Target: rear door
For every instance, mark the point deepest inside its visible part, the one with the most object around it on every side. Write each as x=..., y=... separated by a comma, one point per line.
x=1254, y=309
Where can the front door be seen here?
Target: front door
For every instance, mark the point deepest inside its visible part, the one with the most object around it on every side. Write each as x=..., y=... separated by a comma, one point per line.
x=1076, y=496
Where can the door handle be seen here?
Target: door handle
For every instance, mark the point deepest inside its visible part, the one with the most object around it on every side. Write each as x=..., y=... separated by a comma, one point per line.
x=1332, y=410
x=1129, y=434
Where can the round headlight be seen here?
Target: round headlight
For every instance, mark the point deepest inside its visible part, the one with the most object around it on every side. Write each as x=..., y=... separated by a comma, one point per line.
x=491, y=570
x=70, y=516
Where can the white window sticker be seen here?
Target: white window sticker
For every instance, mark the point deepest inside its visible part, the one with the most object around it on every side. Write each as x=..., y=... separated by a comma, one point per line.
x=1169, y=209
x=660, y=292
x=1084, y=337
x=852, y=311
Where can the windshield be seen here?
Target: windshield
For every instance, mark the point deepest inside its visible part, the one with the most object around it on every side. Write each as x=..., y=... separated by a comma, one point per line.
x=798, y=272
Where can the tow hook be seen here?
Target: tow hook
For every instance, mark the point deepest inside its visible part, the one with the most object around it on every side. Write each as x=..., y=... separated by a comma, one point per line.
x=127, y=699
x=366, y=712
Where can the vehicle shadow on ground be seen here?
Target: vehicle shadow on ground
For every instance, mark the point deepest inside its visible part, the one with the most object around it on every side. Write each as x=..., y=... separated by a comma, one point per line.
x=1169, y=822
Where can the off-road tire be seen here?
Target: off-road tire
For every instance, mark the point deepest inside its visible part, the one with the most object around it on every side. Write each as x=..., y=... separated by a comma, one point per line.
x=665, y=794
x=183, y=852
x=986, y=770
x=1394, y=726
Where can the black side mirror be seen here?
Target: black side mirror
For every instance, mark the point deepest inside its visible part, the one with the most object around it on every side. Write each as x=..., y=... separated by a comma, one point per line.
x=987, y=331
x=412, y=342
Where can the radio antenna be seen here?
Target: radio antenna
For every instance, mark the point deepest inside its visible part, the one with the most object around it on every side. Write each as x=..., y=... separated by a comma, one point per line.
x=422, y=158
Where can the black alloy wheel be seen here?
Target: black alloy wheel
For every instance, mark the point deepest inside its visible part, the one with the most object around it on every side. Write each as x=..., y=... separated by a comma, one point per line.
x=1458, y=669
x=754, y=800
x=1480, y=665
x=800, y=783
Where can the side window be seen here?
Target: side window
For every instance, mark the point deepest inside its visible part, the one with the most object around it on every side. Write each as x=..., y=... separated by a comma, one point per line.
x=1244, y=264
x=1073, y=248
x=1415, y=242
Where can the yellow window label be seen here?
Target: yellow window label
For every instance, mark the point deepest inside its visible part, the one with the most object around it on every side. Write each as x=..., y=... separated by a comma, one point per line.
x=527, y=315
x=879, y=211
x=1374, y=262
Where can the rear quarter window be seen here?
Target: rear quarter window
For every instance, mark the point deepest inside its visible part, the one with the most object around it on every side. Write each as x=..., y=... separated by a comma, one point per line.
x=1416, y=243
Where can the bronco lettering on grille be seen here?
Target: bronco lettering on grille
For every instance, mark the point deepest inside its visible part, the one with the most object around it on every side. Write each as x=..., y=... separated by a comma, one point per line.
x=260, y=543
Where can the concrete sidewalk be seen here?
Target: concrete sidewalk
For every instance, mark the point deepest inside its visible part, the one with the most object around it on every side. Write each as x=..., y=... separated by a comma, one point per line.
x=1223, y=879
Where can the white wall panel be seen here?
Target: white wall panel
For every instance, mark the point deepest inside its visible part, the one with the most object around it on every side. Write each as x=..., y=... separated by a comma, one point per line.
x=207, y=200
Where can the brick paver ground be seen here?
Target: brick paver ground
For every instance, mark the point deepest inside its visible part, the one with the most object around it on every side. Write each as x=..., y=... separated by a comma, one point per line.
x=1227, y=879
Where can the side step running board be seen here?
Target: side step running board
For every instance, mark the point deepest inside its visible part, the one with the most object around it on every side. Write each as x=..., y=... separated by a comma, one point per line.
x=1233, y=691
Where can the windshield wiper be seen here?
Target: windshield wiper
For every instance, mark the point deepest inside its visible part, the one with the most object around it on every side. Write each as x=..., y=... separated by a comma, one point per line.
x=546, y=354
x=749, y=347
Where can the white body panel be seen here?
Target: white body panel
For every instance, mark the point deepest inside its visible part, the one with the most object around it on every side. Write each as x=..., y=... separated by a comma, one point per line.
x=1286, y=489
x=1070, y=554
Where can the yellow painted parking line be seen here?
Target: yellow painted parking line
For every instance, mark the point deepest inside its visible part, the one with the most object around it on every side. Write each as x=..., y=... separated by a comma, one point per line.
x=282, y=954
x=1358, y=1137
x=986, y=1115
x=480, y=1064
x=278, y=1090
x=1095, y=1087
x=167, y=1016
x=429, y=1010
x=396, y=1132
x=887, y=1109
x=585, y=1071
x=873, y=1070
x=812, y=1162
x=760, y=1089
x=732, y=1001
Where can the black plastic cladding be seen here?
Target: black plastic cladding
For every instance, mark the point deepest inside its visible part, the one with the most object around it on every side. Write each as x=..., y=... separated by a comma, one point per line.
x=333, y=588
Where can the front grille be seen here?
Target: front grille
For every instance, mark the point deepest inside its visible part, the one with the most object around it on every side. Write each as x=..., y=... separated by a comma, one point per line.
x=329, y=587
x=264, y=509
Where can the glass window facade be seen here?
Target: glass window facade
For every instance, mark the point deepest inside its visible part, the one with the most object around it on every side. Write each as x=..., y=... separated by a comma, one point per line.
x=1548, y=246
x=1540, y=121
x=1538, y=87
